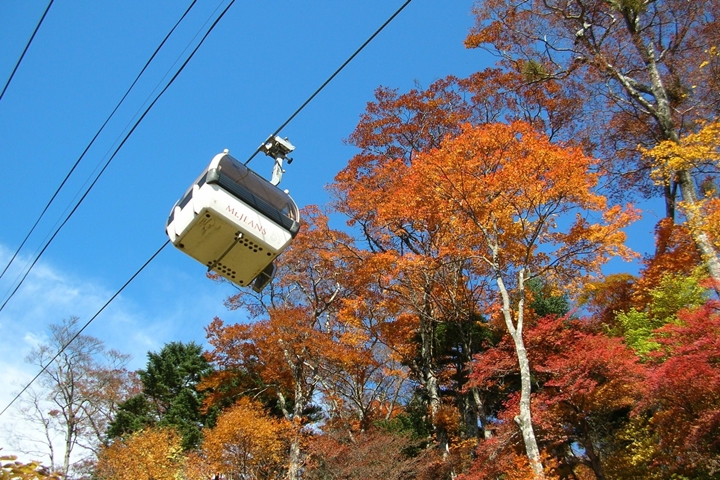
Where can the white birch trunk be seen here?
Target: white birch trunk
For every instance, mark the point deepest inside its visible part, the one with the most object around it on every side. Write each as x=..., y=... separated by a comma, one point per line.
x=661, y=110
x=524, y=419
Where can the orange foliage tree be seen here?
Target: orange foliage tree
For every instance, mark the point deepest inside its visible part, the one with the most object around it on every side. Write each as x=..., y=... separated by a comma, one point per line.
x=302, y=349
x=605, y=297
x=428, y=301
x=275, y=359
x=433, y=291
x=505, y=95
x=503, y=197
x=675, y=253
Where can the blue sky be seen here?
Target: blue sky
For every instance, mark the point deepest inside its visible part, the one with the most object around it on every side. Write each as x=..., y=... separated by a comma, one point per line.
x=261, y=62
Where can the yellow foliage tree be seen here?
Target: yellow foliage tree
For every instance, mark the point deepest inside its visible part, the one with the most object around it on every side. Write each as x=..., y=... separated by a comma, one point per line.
x=12, y=469
x=245, y=443
x=152, y=454
x=693, y=152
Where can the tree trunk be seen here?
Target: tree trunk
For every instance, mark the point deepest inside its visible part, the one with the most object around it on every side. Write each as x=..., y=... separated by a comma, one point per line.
x=427, y=356
x=703, y=243
x=524, y=419
x=69, y=435
x=429, y=378
x=294, y=416
x=426, y=363
x=481, y=414
x=295, y=458
x=669, y=196
x=295, y=453
x=662, y=112
x=594, y=460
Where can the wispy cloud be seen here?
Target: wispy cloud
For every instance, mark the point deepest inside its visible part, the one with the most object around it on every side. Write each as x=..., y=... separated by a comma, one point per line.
x=164, y=304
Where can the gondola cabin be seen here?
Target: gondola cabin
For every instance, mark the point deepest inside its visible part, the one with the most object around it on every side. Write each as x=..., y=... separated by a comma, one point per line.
x=234, y=222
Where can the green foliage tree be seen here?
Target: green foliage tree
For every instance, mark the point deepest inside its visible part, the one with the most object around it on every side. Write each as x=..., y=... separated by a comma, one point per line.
x=544, y=302
x=169, y=396
x=674, y=293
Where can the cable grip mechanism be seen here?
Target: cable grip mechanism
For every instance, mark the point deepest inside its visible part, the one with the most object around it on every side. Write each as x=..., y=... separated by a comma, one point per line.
x=278, y=148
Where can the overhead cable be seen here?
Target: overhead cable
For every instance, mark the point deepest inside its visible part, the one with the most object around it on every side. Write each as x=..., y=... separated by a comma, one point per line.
x=64, y=347
x=167, y=242
x=7, y=84
x=392, y=17
x=62, y=184
x=122, y=143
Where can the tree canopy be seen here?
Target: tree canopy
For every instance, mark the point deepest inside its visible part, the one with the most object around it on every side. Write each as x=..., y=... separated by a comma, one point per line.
x=462, y=322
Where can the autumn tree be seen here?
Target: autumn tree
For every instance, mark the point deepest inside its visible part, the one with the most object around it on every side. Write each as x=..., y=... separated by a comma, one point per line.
x=274, y=358
x=672, y=279
x=624, y=296
x=524, y=93
x=642, y=63
x=169, y=396
x=278, y=357
x=586, y=387
x=76, y=398
x=505, y=197
x=427, y=296
x=420, y=314
x=698, y=153
x=246, y=442
x=281, y=357
x=605, y=297
x=673, y=429
x=673, y=294
x=12, y=469
x=325, y=337
x=684, y=396
x=378, y=453
x=152, y=454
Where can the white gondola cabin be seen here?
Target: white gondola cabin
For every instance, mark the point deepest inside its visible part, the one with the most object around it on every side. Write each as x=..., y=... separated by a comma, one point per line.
x=234, y=222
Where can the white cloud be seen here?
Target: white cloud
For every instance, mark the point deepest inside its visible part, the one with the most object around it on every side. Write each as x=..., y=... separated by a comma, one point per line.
x=163, y=304
x=33, y=339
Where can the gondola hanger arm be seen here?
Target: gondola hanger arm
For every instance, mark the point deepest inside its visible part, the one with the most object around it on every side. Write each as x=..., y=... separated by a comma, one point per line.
x=278, y=148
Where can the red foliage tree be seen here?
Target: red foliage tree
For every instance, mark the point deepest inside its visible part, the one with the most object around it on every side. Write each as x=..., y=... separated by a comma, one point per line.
x=586, y=383
x=684, y=397
x=675, y=252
